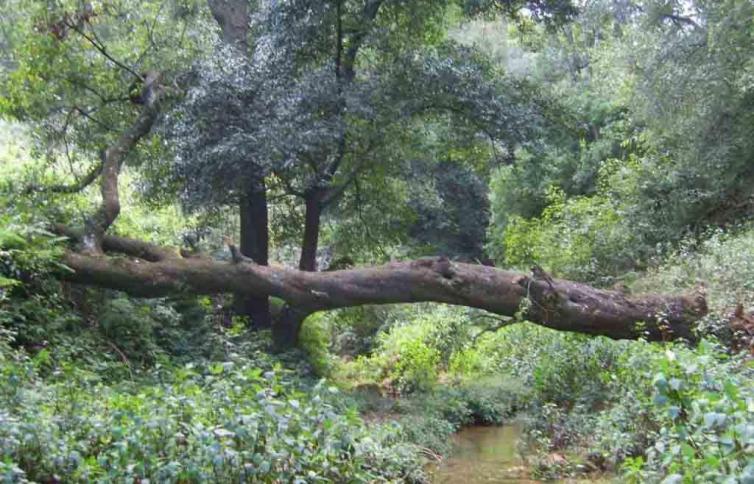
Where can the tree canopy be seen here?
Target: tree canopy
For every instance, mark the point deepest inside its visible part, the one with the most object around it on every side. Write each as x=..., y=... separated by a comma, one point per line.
x=291, y=113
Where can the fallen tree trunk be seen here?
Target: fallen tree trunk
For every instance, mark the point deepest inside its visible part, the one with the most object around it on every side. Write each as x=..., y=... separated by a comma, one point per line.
x=554, y=303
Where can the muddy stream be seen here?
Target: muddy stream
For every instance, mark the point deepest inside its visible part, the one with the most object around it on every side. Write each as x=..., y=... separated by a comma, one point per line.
x=485, y=455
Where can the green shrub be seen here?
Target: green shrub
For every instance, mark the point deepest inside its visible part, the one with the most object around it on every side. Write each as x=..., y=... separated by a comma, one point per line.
x=415, y=347
x=30, y=301
x=466, y=361
x=416, y=368
x=223, y=422
x=429, y=419
x=314, y=340
x=558, y=367
x=355, y=330
x=722, y=262
x=574, y=369
x=702, y=403
x=492, y=401
x=666, y=412
x=428, y=432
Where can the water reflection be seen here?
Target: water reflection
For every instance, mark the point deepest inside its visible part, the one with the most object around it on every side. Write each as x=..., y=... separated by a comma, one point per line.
x=483, y=455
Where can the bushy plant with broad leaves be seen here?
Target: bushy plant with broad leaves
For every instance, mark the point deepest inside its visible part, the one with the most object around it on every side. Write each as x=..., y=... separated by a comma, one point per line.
x=223, y=421
x=701, y=402
x=30, y=299
x=415, y=347
x=490, y=400
x=314, y=340
x=654, y=412
x=549, y=362
x=416, y=368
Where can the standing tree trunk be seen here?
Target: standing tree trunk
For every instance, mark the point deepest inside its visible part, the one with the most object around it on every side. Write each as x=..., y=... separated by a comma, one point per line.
x=233, y=18
x=254, y=244
x=285, y=331
x=310, y=243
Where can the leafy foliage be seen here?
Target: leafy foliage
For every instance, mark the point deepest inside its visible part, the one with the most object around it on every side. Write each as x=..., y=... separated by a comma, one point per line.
x=223, y=421
x=649, y=144
x=71, y=67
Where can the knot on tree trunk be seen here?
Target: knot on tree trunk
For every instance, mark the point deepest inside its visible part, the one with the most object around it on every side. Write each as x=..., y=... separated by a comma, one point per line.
x=441, y=265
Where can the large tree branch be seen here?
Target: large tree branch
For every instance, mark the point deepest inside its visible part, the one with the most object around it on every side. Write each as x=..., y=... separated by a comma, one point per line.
x=555, y=303
x=122, y=245
x=680, y=20
x=112, y=162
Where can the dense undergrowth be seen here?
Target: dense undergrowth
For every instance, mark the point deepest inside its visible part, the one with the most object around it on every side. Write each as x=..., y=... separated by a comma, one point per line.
x=646, y=412
x=96, y=386
x=223, y=422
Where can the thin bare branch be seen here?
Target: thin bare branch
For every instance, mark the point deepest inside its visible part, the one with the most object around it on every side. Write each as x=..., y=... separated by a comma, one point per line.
x=92, y=39
x=74, y=187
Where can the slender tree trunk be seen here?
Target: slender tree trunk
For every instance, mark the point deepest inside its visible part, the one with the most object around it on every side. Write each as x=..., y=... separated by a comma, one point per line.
x=254, y=244
x=310, y=243
x=286, y=329
x=113, y=158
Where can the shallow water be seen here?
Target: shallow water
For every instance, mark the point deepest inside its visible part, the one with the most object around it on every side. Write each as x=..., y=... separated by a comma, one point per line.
x=483, y=455
x=489, y=455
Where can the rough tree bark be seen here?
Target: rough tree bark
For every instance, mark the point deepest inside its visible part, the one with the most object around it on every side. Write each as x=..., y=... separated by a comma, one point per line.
x=286, y=329
x=554, y=303
x=310, y=242
x=233, y=18
x=255, y=245
x=113, y=158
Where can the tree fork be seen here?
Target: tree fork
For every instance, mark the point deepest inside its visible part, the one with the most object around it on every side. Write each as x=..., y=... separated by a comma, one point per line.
x=554, y=303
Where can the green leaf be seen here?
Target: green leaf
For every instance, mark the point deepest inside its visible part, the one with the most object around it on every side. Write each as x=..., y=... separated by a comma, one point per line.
x=7, y=282
x=11, y=240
